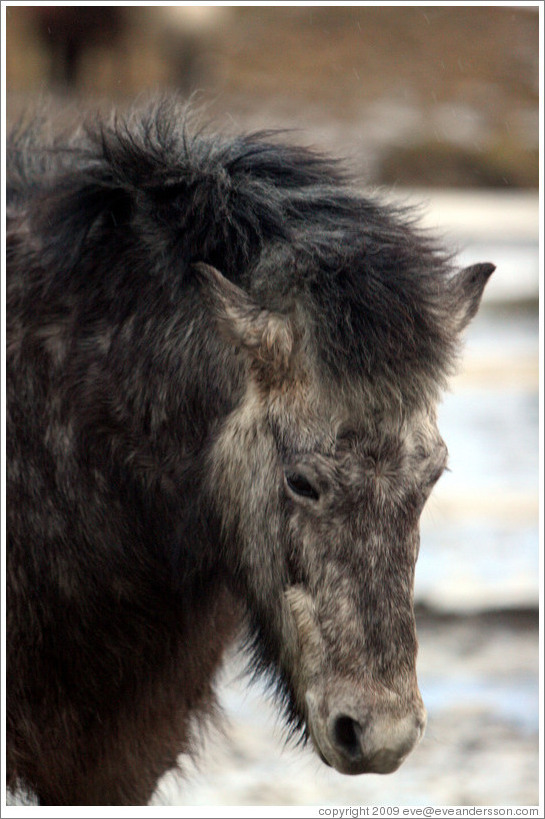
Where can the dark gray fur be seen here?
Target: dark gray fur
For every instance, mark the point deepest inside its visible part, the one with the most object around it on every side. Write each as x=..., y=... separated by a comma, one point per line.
x=145, y=522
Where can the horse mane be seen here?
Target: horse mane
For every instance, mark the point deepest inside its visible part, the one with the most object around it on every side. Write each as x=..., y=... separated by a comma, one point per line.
x=286, y=223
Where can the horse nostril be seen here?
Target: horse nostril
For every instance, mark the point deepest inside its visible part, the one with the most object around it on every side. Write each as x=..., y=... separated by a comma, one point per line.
x=347, y=736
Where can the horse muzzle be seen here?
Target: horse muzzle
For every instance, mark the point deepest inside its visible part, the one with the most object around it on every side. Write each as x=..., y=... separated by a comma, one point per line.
x=354, y=738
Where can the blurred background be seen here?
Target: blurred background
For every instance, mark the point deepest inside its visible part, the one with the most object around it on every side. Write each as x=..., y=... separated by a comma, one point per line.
x=436, y=105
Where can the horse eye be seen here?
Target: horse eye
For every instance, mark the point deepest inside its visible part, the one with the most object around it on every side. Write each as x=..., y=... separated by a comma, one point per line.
x=299, y=485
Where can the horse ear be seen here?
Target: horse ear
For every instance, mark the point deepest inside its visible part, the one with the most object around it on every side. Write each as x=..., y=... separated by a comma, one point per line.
x=265, y=336
x=467, y=289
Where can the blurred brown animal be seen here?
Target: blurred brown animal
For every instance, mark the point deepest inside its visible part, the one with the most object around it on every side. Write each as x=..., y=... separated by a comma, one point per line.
x=68, y=31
